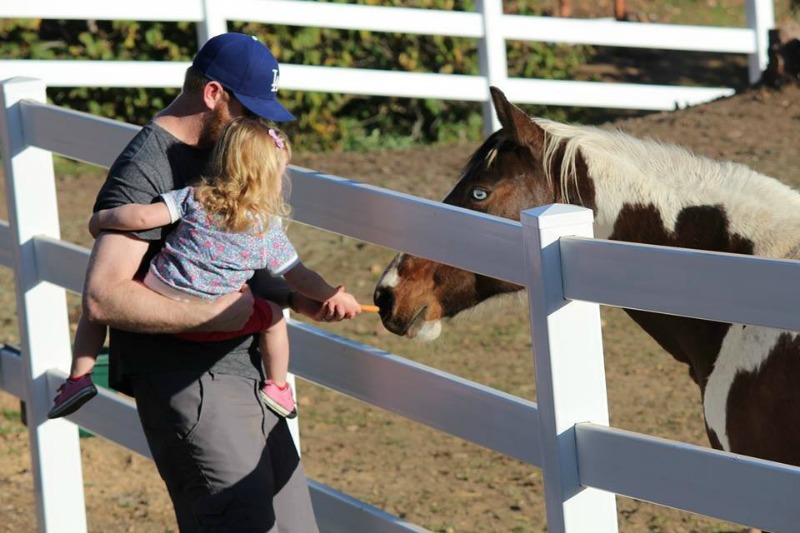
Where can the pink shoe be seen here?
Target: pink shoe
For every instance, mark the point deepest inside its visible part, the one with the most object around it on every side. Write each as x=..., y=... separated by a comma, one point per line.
x=280, y=401
x=72, y=395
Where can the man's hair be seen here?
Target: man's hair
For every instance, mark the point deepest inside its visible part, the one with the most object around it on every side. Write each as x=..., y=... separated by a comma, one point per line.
x=194, y=81
x=246, y=184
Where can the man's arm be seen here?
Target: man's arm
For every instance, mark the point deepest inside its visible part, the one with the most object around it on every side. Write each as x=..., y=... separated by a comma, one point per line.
x=112, y=297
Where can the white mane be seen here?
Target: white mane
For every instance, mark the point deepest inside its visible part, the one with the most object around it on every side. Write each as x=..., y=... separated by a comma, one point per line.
x=629, y=170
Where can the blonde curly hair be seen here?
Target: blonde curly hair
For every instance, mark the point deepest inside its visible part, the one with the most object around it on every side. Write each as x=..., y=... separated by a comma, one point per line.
x=246, y=183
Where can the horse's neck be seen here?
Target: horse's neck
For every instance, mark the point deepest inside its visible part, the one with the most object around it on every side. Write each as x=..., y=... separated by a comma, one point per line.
x=694, y=342
x=713, y=206
x=621, y=182
x=706, y=205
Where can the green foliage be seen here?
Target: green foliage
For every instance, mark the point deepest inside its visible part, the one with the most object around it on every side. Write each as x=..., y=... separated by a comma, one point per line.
x=10, y=422
x=325, y=120
x=101, y=40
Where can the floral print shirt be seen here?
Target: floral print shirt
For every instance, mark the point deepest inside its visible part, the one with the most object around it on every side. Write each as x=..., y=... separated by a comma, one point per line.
x=201, y=259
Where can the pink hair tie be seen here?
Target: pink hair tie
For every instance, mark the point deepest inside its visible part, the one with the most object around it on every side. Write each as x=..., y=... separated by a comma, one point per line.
x=276, y=138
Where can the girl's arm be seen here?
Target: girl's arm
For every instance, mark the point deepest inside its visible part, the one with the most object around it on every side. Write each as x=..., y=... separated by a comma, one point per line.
x=335, y=301
x=130, y=217
x=309, y=283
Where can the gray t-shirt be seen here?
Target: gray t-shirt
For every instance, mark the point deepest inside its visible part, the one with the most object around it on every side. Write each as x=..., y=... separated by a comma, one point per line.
x=155, y=162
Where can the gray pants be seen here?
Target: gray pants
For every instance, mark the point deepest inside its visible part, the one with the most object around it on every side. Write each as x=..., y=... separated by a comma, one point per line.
x=229, y=464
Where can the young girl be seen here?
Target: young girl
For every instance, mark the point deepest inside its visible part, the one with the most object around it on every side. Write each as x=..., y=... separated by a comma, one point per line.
x=229, y=227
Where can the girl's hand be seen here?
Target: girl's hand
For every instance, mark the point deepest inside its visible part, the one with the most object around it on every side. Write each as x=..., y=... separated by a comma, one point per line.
x=340, y=305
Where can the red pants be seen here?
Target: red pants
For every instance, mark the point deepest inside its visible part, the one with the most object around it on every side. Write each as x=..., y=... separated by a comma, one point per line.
x=260, y=320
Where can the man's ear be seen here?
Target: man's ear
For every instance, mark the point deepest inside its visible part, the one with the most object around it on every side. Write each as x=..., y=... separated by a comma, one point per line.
x=213, y=93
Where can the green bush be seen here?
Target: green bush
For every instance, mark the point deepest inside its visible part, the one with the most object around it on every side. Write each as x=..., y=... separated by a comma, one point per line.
x=326, y=121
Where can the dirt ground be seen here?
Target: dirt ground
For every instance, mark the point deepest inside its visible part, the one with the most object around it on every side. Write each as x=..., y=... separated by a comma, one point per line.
x=420, y=474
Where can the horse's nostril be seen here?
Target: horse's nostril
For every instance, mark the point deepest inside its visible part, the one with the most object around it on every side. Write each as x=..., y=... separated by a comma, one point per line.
x=384, y=299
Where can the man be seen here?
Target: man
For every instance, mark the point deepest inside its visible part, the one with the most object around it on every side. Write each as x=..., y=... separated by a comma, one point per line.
x=228, y=462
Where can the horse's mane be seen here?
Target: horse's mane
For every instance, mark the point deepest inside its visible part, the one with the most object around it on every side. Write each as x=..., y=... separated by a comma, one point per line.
x=610, y=151
x=645, y=171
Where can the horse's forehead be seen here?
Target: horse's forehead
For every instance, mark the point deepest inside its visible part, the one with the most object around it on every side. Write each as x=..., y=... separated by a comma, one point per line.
x=497, y=160
x=503, y=155
x=413, y=268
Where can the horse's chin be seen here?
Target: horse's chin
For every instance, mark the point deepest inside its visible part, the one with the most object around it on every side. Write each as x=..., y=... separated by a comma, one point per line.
x=425, y=330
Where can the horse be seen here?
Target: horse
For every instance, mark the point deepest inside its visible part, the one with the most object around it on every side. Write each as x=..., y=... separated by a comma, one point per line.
x=641, y=191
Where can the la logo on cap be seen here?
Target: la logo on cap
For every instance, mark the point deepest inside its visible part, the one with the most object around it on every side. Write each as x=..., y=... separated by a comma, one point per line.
x=275, y=79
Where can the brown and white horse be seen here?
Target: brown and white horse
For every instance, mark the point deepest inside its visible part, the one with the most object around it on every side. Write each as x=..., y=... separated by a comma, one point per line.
x=646, y=192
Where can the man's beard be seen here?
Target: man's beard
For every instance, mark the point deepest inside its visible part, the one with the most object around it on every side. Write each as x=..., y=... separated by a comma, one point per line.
x=213, y=125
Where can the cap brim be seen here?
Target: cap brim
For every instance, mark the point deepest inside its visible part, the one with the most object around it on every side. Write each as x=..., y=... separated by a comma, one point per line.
x=268, y=109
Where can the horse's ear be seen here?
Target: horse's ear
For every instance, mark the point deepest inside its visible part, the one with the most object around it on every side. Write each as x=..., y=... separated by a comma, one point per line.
x=515, y=121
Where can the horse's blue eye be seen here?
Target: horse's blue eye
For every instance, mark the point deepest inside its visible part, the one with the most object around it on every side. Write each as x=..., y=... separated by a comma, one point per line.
x=479, y=194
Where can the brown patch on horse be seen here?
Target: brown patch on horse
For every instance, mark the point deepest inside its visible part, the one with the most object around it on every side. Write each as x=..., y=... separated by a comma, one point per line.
x=580, y=190
x=702, y=227
x=692, y=341
x=764, y=406
x=713, y=439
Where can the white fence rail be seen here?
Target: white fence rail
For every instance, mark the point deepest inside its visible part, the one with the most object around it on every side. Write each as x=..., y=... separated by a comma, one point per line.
x=487, y=24
x=566, y=433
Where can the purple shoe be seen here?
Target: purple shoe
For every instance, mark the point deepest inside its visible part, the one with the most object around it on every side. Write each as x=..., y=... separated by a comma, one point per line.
x=72, y=395
x=280, y=401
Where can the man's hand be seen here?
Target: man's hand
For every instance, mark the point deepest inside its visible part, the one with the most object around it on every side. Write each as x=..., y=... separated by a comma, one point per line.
x=230, y=311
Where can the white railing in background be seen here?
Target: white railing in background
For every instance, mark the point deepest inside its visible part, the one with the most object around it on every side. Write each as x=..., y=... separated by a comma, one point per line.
x=565, y=433
x=487, y=24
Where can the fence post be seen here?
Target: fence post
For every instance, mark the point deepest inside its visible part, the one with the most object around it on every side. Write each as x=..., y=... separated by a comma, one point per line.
x=42, y=314
x=760, y=18
x=212, y=24
x=492, y=59
x=570, y=376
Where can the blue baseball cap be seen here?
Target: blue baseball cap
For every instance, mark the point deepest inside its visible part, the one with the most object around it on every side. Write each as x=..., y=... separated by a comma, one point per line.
x=246, y=68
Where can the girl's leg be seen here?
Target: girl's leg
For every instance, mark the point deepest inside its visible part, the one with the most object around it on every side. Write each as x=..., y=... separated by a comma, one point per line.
x=274, y=346
x=78, y=388
x=89, y=340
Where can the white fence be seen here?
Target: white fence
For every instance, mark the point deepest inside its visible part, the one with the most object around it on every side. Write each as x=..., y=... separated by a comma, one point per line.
x=566, y=433
x=488, y=24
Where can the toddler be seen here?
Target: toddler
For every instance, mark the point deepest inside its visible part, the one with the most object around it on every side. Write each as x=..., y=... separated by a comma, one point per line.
x=230, y=226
